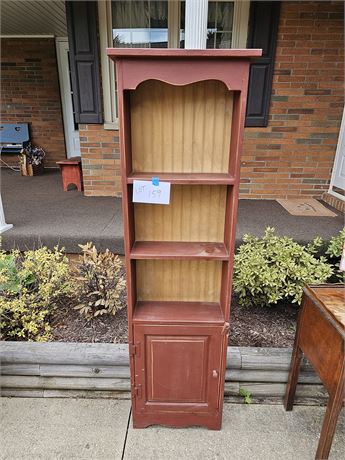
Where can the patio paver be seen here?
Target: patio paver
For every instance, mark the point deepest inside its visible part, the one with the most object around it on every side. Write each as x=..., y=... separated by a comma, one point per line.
x=42, y=213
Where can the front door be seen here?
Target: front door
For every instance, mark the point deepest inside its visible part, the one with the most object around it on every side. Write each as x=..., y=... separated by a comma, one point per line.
x=337, y=186
x=70, y=127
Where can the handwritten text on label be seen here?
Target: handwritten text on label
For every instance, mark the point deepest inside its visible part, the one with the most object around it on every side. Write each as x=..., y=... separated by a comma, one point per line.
x=145, y=192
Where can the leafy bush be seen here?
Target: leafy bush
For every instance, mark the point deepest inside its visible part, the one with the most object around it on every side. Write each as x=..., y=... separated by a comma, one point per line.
x=272, y=268
x=335, y=247
x=334, y=252
x=31, y=283
x=100, y=283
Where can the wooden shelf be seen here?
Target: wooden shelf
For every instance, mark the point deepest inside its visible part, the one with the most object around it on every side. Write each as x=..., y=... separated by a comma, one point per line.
x=178, y=250
x=185, y=178
x=178, y=312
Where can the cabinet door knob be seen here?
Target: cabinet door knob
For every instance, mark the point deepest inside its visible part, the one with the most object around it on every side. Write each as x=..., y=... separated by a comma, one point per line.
x=214, y=374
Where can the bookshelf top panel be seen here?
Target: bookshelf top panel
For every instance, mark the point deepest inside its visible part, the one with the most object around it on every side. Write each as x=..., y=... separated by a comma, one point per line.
x=114, y=53
x=182, y=67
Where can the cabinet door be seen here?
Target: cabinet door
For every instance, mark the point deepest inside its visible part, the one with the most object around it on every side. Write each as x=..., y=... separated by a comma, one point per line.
x=178, y=368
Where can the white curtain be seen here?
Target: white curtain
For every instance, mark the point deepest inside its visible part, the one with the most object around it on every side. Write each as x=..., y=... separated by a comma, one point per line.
x=139, y=14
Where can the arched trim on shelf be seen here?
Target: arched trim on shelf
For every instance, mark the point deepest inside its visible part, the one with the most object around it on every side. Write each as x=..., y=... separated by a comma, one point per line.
x=135, y=71
x=185, y=66
x=166, y=82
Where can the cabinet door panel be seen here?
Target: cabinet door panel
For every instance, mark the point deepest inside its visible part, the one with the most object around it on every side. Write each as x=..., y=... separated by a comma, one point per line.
x=176, y=368
x=179, y=368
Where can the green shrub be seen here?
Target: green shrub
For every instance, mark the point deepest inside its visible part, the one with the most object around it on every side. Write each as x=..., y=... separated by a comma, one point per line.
x=335, y=246
x=273, y=268
x=100, y=283
x=31, y=283
x=334, y=252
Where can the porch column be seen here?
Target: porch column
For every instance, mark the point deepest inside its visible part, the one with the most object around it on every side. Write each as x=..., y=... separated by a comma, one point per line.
x=3, y=225
x=196, y=24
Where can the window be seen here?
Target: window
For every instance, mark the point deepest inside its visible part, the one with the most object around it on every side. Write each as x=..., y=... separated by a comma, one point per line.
x=161, y=24
x=220, y=24
x=140, y=24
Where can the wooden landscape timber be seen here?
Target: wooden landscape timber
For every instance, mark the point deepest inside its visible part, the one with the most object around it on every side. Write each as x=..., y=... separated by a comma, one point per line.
x=89, y=370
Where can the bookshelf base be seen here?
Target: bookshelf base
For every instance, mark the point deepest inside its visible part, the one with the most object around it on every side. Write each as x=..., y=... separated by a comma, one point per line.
x=178, y=420
x=178, y=374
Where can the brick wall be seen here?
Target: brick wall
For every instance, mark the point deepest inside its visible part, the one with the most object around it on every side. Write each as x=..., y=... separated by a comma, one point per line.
x=294, y=155
x=30, y=93
x=100, y=160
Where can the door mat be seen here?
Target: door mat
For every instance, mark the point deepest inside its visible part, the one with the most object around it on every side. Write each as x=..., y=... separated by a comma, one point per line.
x=306, y=207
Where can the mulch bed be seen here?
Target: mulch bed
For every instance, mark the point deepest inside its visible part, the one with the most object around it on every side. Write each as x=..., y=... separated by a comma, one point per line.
x=69, y=326
x=263, y=326
x=249, y=327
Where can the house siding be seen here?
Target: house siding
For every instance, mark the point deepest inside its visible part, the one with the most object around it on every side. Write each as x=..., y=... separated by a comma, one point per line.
x=30, y=93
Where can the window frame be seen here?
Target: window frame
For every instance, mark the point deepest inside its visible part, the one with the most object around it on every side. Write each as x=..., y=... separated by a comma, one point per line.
x=111, y=121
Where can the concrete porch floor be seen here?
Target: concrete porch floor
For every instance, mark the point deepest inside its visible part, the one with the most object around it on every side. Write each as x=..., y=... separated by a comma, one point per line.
x=42, y=213
x=102, y=429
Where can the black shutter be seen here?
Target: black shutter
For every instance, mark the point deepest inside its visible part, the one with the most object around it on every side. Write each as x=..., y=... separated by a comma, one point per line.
x=263, y=28
x=84, y=61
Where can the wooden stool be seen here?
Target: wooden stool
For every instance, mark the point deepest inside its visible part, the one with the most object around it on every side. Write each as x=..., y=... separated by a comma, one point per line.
x=320, y=336
x=71, y=173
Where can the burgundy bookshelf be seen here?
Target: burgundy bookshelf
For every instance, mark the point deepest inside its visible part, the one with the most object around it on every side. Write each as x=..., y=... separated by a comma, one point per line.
x=181, y=119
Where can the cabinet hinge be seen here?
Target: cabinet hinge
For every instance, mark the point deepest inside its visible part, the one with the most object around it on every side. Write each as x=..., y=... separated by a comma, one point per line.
x=134, y=349
x=226, y=328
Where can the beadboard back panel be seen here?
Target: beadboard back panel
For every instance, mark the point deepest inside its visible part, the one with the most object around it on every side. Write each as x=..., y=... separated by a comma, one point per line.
x=196, y=213
x=179, y=280
x=181, y=128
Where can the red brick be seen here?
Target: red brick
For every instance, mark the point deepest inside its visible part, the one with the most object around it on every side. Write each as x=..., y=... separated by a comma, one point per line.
x=30, y=93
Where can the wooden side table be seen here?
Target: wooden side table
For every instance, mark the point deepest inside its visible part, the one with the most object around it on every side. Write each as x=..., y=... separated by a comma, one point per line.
x=71, y=173
x=320, y=336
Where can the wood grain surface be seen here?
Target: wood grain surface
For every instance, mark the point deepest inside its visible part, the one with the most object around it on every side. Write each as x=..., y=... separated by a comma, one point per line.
x=181, y=129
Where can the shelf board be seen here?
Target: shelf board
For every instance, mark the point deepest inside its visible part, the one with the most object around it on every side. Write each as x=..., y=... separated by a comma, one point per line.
x=178, y=312
x=178, y=250
x=185, y=178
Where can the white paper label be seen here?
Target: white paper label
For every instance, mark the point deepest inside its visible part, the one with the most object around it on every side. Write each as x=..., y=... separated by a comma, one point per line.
x=145, y=192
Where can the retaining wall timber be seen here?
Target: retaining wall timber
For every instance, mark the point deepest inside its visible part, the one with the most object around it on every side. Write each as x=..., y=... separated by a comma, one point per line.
x=87, y=370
